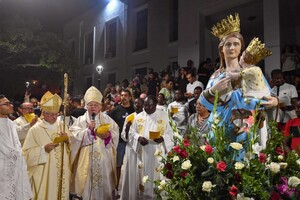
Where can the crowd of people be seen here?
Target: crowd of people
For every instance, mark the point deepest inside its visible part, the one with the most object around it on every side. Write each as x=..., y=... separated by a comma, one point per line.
x=78, y=150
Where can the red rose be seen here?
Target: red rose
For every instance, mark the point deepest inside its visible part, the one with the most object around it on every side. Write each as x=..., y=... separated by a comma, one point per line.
x=262, y=158
x=233, y=190
x=183, y=175
x=275, y=196
x=208, y=149
x=221, y=166
x=177, y=149
x=168, y=166
x=279, y=151
x=184, y=154
x=169, y=175
x=186, y=143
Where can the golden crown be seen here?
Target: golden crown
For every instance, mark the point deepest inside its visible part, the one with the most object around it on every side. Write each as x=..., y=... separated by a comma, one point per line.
x=226, y=26
x=257, y=50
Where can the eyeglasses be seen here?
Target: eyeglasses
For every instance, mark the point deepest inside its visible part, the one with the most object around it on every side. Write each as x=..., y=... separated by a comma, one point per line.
x=6, y=104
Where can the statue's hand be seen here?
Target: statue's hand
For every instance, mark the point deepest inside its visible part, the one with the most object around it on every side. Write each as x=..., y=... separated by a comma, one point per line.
x=270, y=103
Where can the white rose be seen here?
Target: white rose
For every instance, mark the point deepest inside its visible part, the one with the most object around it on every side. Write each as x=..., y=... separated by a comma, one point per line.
x=160, y=167
x=175, y=158
x=236, y=145
x=186, y=165
x=210, y=160
x=294, y=181
x=204, y=135
x=283, y=165
x=160, y=187
x=256, y=148
x=206, y=186
x=280, y=157
x=274, y=167
x=159, y=159
x=163, y=183
x=158, y=152
x=202, y=147
x=242, y=197
x=145, y=178
x=298, y=162
x=239, y=165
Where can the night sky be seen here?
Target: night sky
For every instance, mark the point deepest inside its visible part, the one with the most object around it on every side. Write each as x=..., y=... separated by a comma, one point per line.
x=52, y=13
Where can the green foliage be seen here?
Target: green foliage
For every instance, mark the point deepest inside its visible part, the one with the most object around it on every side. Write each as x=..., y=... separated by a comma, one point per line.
x=24, y=43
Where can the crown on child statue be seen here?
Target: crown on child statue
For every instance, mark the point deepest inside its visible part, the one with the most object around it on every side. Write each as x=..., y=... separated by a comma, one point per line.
x=226, y=26
x=257, y=50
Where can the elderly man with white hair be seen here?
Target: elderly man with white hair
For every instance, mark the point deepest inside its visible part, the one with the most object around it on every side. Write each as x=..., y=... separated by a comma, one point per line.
x=94, y=141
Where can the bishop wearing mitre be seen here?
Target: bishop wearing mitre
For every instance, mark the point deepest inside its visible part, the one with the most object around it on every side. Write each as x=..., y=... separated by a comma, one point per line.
x=46, y=151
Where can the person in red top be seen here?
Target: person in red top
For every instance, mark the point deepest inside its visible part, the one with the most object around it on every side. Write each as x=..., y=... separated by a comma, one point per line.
x=292, y=132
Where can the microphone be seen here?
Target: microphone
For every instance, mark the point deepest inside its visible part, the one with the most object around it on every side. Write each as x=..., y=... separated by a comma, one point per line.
x=93, y=116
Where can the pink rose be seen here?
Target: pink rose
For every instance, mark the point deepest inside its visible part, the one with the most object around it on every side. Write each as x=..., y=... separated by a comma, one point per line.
x=221, y=166
x=262, y=158
x=279, y=151
x=186, y=143
x=208, y=149
x=177, y=149
x=184, y=154
x=233, y=190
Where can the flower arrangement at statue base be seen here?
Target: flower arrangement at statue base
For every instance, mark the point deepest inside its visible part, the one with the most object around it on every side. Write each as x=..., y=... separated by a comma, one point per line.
x=212, y=170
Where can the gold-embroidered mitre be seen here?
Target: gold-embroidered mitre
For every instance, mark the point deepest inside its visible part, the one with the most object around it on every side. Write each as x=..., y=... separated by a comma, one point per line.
x=257, y=50
x=50, y=102
x=226, y=26
x=93, y=94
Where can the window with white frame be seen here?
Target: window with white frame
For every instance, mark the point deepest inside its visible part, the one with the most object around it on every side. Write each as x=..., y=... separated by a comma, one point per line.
x=111, y=39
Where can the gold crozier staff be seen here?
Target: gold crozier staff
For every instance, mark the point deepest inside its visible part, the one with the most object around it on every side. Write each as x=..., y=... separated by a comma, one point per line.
x=65, y=104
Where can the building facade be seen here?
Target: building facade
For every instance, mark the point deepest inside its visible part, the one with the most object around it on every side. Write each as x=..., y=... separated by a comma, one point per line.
x=129, y=36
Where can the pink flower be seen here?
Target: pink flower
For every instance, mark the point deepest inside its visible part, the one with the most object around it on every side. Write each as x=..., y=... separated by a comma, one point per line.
x=177, y=149
x=262, y=158
x=233, y=190
x=279, y=151
x=184, y=154
x=221, y=166
x=186, y=143
x=208, y=149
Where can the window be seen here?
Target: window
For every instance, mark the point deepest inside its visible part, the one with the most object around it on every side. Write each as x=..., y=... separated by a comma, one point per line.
x=111, y=39
x=88, y=50
x=173, y=32
x=141, y=30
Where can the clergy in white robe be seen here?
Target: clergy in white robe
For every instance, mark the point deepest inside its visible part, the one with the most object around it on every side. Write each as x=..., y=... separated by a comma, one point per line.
x=14, y=182
x=148, y=164
x=25, y=121
x=93, y=154
x=47, y=158
x=130, y=180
